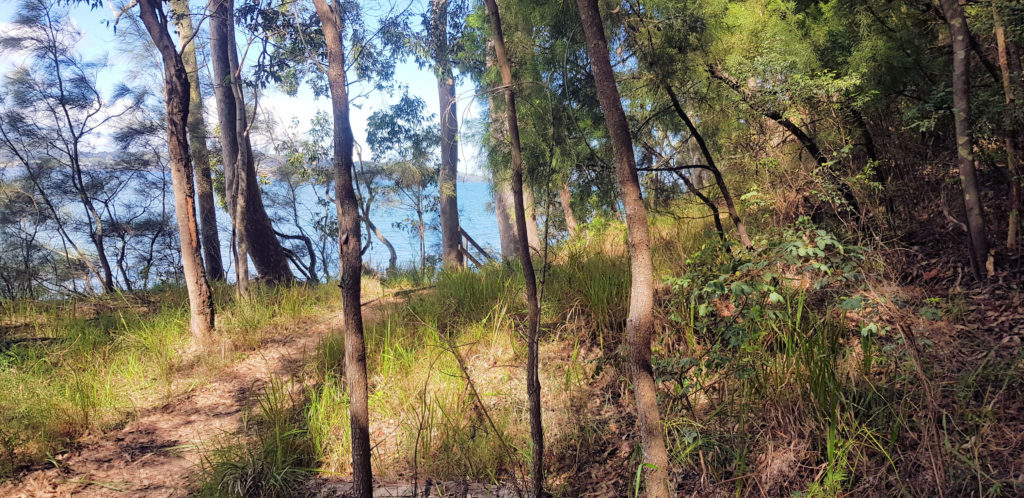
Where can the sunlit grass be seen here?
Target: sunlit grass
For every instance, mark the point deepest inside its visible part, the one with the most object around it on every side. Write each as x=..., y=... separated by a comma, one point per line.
x=78, y=367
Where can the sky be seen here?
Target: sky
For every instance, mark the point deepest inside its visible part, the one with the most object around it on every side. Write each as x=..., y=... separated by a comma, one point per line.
x=99, y=40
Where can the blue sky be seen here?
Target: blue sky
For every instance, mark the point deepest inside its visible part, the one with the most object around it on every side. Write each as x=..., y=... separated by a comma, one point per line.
x=99, y=40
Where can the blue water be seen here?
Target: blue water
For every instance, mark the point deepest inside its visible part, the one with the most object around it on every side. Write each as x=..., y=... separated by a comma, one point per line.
x=476, y=216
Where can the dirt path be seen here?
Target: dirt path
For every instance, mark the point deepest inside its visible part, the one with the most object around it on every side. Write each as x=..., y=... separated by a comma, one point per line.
x=154, y=454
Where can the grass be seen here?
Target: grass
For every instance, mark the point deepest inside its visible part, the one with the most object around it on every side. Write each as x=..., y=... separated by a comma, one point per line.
x=779, y=373
x=78, y=367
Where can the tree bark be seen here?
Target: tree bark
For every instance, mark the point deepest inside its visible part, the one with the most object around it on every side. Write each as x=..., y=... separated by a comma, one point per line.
x=978, y=243
x=532, y=355
x=503, y=210
x=349, y=247
x=197, y=141
x=447, y=179
x=741, y=227
x=640, y=320
x=265, y=249
x=176, y=101
x=565, y=199
x=1010, y=129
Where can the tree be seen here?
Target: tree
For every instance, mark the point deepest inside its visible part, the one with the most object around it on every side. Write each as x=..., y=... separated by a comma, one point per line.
x=403, y=144
x=56, y=108
x=640, y=320
x=331, y=19
x=1009, y=67
x=525, y=256
x=176, y=101
x=252, y=226
x=197, y=142
x=977, y=237
x=447, y=180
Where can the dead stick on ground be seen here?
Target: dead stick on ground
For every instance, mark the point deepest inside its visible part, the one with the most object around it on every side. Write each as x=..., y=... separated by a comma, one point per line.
x=932, y=430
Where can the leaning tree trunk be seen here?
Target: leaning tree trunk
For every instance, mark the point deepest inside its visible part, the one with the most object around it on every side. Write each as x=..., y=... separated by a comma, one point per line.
x=197, y=141
x=447, y=180
x=266, y=251
x=349, y=247
x=978, y=243
x=1010, y=129
x=176, y=100
x=741, y=227
x=532, y=356
x=640, y=321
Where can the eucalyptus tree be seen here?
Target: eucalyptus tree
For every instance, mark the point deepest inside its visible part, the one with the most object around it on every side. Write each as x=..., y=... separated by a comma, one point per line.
x=640, y=320
x=403, y=142
x=977, y=235
x=525, y=256
x=253, y=233
x=187, y=38
x=443, y=27
x=176, y=102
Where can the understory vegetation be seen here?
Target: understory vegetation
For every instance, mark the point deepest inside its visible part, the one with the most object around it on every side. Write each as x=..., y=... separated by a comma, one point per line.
x=796, y=369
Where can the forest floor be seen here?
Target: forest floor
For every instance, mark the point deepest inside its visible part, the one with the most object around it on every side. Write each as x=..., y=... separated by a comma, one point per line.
x=154, y=453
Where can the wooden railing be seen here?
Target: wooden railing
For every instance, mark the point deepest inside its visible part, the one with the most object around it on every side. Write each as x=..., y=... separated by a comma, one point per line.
x=467, y=240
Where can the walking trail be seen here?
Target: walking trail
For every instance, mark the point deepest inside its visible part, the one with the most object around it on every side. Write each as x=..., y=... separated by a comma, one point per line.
x=154, y=454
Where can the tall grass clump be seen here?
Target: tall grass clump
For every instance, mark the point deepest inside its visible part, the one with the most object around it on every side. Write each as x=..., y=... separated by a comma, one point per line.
x=273, y=460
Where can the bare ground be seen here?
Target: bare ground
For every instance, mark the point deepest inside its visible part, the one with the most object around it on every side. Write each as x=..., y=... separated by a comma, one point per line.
x=154, y=454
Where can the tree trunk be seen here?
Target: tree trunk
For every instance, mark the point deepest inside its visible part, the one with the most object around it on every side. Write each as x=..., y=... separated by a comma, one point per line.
x=1010, y=130
x=503, y=210
x=741, y=227
x=503, y=204
x=176, y=100
x=565, y=199
x=707, y=202
x=447, y=178
x=978, y=243
x=640, y=321
x=197, y=142
x=348, y=241
x=532, y=355
x=267, y=254
x=423, y=241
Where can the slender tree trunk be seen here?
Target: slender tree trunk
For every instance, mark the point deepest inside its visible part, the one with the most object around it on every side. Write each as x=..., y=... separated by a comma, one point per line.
x=423, y=241
x=532, y=355
x=1010, y=130
x=741, y=227
x=565, y=199
x=447, y=182
x=503, y=204
x=176, y=99
x=241, y=185
x=640, y=321
x=707, y=202
x=349, y=246
x=197, y=141
x=978, y=243
x=264, y=248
